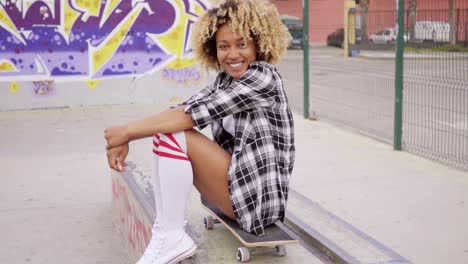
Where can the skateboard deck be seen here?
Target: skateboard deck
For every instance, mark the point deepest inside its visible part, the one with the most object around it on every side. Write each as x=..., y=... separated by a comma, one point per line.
x=274, y=235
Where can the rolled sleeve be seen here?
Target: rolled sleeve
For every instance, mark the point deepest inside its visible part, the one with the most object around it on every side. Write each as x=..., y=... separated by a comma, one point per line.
x=255, y=89
x=199, y=112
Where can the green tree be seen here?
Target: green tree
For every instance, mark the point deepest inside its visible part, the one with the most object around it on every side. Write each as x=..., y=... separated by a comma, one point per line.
x=364, y=4
x=453, y=32
x=412, y=14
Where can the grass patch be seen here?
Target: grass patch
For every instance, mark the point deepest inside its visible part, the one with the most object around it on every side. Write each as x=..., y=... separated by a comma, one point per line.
x=450, y=48
x=443, y=48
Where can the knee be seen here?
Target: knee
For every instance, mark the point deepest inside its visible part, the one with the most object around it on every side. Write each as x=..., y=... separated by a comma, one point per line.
x=190, y=133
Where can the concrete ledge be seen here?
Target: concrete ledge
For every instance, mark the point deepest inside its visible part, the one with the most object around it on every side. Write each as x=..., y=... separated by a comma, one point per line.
x=335, y=238
x=324, y=237
x=134, y=212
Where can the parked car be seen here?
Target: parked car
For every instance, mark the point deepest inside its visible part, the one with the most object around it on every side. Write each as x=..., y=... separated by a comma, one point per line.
x=337, y=37
x=295, y=27
x=388, y=35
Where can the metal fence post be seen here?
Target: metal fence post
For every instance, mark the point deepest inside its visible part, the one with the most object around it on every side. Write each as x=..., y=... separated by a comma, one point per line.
x=400, y=45
x=305, y=35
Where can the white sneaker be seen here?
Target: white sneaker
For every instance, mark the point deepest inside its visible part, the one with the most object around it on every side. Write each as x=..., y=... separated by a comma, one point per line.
x=168, y=247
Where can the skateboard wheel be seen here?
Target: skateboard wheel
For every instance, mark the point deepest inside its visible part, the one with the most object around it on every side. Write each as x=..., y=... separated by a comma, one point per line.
x=243, y=254
x=209, y=222
x=281, y=250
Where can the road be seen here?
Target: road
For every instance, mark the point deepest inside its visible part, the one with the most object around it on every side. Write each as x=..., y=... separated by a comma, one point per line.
x=359, y=93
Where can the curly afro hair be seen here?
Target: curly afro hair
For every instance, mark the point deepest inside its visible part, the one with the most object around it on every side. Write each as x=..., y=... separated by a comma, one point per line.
x=254, y=19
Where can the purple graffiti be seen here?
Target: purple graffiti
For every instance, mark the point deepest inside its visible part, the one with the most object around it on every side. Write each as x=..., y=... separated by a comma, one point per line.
x=42, y=49
x=37, y=14
x=182, y=75
x=43, y=88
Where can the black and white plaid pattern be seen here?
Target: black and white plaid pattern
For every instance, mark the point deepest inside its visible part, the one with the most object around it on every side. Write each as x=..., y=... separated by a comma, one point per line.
x=263, y=147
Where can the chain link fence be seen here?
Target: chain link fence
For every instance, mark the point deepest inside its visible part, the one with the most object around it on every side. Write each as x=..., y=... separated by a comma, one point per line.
x=435, y=110
x=357, y=89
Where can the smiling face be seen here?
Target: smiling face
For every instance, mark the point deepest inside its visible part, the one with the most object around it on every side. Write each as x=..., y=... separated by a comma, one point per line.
x=234, y=53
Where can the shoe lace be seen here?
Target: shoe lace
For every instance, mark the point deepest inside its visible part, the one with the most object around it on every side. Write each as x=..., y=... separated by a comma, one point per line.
x=156, y=244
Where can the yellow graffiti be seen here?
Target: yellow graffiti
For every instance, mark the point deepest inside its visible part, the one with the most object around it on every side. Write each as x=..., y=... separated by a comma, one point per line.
x=181, y=63
x=90, y=7
x=13, y=87
x=6, y=23
x=71, y=15
x=109, y=8
x=173, y=40
x=92, y=84
x=198, y=8
x=101, y=54
x=6, y=66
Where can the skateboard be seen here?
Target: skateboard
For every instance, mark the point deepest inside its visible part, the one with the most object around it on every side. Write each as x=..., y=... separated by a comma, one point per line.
x=275, y=237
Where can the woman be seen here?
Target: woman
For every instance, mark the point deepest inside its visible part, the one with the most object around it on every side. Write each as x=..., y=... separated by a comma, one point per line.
x=245, y=170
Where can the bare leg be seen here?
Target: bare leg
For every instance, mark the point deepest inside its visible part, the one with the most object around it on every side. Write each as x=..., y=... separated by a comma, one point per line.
x=210, y=164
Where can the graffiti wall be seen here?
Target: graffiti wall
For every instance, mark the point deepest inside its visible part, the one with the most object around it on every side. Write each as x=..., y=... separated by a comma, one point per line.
x=61, y=53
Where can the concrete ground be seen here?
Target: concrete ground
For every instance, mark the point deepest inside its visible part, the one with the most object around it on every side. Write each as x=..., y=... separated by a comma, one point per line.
x=414, y=206
x=55, y=198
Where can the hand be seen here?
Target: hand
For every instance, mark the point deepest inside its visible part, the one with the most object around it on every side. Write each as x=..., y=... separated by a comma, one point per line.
x=116, y=136
x=116, y=157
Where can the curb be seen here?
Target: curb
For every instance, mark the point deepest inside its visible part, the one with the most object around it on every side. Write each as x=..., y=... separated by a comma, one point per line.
x=321, y=233
x=410, y=55
x=332, y=236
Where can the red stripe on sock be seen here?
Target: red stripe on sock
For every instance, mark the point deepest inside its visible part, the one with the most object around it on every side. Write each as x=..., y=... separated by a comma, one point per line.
x=165, y=144
x=172, y=138
x=168, y=155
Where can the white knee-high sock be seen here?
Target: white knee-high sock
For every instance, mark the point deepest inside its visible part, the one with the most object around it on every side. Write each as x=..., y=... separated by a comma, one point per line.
x=173, y=180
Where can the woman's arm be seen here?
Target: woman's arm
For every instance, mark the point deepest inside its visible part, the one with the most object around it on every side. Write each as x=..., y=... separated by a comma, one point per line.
x=171, y=120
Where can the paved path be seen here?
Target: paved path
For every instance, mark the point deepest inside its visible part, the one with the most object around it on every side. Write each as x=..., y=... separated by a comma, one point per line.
x=55, y=197
x=414, y=206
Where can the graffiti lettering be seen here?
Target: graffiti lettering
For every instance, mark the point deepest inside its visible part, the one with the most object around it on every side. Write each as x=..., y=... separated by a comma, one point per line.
x=183, y=75
x=88, y=40
x=43, y=88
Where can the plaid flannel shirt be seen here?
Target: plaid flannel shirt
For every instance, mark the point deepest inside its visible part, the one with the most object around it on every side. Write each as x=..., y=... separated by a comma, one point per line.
x=263, y=146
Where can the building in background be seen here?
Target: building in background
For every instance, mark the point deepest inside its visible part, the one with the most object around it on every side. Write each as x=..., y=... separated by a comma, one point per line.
x=326, y=16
